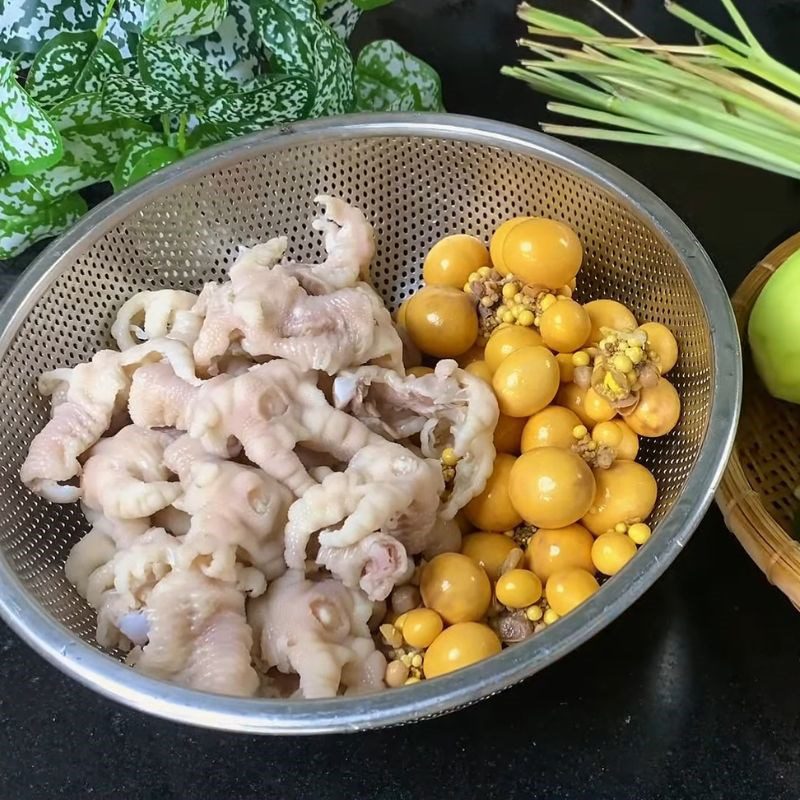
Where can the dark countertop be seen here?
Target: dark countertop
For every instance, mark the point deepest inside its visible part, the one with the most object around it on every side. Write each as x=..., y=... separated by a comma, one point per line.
x=692, y=693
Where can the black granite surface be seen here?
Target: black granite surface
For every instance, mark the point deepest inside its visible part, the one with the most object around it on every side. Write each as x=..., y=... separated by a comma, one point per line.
x=692, y=693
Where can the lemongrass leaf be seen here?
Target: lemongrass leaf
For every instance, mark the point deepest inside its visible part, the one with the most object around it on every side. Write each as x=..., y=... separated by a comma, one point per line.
x=557, y=85
x=742, y=26
x=739, y=90
x=672, y=142
x=725, y=86
x=593, y=115
x=619, y=18
x=706, y=114
x=706, y=27
x=555, y=22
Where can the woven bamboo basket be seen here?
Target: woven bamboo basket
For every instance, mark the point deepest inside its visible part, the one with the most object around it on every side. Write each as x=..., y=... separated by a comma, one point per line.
x=756, y=494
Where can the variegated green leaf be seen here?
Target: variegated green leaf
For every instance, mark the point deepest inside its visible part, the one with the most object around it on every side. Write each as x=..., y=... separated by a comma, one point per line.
x=152, y=160
x=20, y=195
x=175, y=71
x=234, y=47
x=288, y=29
x=333, y=75
x=125, y=25
x=80, y=109
x=164, y=19
x=70, y=63
x=342, y=16
x=123, y=95
x=25, y=25
x=301, y=43
x=17, y=233
x=130, y=157
x=277, y=100
x=28, y=140
x=91, y=154
x=205, y=135
x=107, y=59
x=388, y=78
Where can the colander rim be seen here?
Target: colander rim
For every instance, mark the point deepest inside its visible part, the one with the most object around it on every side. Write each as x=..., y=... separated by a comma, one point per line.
x=112, y=679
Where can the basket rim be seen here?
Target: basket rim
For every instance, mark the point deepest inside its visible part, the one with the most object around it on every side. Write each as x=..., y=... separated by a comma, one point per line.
x=96, y=670
x=736, y=492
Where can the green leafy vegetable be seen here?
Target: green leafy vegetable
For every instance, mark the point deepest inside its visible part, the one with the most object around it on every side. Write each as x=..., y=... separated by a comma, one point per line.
x=81, y=109
x=206, y=135
x=18, y=233
x=117, y=89
x=91, y=154
x=299, y=41
x=131, y=156
x=29, y=141
x=388, y=78
x=342, y=16
x=333, y=72
x=164, y=19
x=234, y=47
x=152, y=160
x=275, y=101
x=70, y=63
x=174, y=71
x=20, y=195
x=288, y=29
x=129, y=96
x=25, y=25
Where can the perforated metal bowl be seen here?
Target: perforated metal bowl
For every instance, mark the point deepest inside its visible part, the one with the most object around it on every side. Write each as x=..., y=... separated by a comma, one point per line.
x=417, y=178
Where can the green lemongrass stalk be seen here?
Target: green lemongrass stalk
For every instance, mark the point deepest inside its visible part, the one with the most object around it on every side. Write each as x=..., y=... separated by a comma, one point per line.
x=703, y=26
x=708, y=116
x=756, y=59
x=659, y=118
x=658, y=97
x=688, y=97
x=684, y=70
x=784, y=149
x=593, y=115
x=719, y=83
x=670, y=141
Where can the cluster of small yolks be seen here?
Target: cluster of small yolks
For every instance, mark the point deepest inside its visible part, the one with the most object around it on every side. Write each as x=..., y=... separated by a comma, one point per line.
x=583, y=522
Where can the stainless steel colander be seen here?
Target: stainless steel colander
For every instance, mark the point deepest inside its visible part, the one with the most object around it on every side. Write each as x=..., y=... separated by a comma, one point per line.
x=417, y=178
